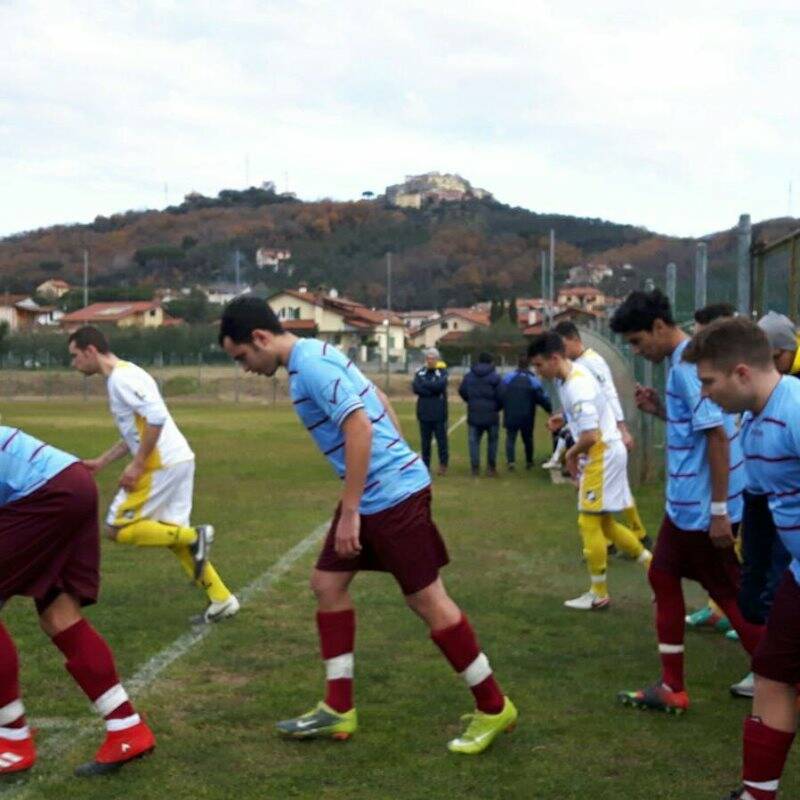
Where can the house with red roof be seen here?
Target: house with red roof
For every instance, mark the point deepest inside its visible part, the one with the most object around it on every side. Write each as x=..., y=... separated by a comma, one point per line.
x=120, y=314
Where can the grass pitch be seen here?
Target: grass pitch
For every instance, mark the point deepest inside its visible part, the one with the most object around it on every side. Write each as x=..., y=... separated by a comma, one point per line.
x=515, y=558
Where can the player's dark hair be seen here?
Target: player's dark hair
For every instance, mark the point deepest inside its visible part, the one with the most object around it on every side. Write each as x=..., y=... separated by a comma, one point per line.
x=707, y=314
x=485, y=358
x=640, y=310
x=244, y=315
x=546, y=344
x=568, y=330
x=89, y=335
x=522, y=361
x=729, y=341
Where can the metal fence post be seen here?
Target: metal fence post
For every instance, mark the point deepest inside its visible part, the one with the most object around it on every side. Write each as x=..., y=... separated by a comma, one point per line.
x=743, y=277
x=701, y=275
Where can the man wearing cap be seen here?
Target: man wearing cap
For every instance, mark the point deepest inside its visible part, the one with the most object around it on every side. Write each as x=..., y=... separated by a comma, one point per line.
x=784, y=341
x=430, y=386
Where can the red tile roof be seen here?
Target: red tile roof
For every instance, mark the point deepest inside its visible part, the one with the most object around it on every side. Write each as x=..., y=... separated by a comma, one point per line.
x=110, y=312
x=293, y=325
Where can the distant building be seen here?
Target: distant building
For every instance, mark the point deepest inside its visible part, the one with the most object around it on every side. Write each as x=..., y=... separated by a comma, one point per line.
x=454, y=324
x=274, y=259
x=19, y=311
x=359, y=331
x=588, y=298
x=223, y=293
x=53, y=287
x=413, y=320
x=589, y=273
x=431, y=188
x=121, y=314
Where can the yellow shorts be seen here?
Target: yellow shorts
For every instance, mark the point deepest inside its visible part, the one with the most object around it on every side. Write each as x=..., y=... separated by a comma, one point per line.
x=603, y=484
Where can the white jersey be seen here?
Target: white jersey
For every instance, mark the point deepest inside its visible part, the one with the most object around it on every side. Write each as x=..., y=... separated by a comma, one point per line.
x=599, y=368
x=135, y=402
x=585, y=405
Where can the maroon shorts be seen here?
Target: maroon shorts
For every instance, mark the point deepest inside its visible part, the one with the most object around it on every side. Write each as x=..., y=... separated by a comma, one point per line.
x=778, y=655
x=402, y=540
x=50, y=541
x=691, y=554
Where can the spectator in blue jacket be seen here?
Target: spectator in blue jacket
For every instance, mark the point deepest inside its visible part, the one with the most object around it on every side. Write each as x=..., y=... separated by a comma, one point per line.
x=520, y=392
x=430, y=386
x=480, y=390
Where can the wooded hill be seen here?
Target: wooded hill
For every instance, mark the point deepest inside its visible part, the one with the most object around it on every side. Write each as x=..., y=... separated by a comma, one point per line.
x=446, y=254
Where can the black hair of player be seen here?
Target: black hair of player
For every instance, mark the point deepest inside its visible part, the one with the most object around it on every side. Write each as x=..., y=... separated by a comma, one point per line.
x=546, y=344
x=640, y=310
x=485, y=358
x=568, y=330
x=244, y=315
x=89, y=335
x=707, y=314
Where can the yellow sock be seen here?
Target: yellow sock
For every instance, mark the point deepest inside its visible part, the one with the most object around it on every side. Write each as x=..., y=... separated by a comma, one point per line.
x=150, y=533
x=715, y=608
x=595, y=551
x=634, y=522
x=210, y=580
x=622, y=537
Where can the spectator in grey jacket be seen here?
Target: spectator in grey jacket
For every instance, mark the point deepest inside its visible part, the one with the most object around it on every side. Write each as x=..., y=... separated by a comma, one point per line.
x=430, y=386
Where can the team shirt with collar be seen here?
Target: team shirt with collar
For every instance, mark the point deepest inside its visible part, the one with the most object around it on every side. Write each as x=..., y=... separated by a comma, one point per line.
x=598, y=366
x=689, y=417
x=603, y=484
x=27, y=463
x=771, y=443
x=325, y=388
x=135, y=402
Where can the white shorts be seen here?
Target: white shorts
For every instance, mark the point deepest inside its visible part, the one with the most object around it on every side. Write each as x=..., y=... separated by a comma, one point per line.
x=603, y=485
x=163, y=494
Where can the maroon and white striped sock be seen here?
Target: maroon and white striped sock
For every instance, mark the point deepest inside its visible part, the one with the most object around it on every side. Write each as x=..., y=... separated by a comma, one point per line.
x=765, y=752
x=91, y=663
x=337, y=634
x=460, y=648
x=12, y=712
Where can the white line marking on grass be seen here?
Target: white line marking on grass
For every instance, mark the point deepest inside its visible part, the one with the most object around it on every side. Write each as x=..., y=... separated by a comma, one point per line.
x=144, y=677
x=457, y=423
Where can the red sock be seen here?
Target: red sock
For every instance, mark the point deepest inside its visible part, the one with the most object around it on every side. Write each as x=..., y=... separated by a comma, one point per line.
x=90, y=662
x=460, y=648
x=670, y=613
x=12, y=712
x=749, y=634
x=337, y=635
x=765, y=752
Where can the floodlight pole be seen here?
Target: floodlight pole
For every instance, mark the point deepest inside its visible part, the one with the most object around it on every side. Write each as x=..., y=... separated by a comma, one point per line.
x=744, y=240
x=701, y=276
x=85, y=277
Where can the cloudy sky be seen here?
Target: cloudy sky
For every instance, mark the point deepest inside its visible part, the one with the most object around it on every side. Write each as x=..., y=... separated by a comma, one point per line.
x=678, y=117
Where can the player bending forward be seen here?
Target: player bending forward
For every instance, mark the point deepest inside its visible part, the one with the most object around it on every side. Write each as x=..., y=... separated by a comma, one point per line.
x=50, y=551
x=734, y=363
x=383, y=522
x=154, y=503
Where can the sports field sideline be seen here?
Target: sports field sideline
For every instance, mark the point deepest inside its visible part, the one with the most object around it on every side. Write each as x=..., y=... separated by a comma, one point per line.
x=515, y=555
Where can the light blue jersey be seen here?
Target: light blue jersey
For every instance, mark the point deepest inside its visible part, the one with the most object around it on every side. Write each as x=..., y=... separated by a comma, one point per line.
x=325, y=388
x=689, y=416
x=771, y=443
x=26, y=464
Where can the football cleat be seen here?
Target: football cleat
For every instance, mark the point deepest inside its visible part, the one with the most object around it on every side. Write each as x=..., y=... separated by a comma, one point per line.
x=17, y=755
x=321, y=722
x=552, y=463
x=706, y=618
x=739, y=794
x=119, y=748
x=201, y=548
x=656, y=698
x=589, y=602
x=745, y=687
x=218, y=611
x=483, y=729
x=732, y=636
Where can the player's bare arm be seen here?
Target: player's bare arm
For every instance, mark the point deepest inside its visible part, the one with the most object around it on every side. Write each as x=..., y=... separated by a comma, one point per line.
x=357, y=430
x=585, y=442
x=131, y=474
x=555, y=422
x=389, y=410
x=627, y=437
x=117, y=451
x=648, y=401
x=718, y=458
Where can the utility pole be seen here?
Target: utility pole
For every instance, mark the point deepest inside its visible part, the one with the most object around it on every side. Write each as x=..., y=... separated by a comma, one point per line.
x=543, y=255
x=701, y=276
x=388, y=310
x=672, y=284
x=85, y=277
x=744, y=240
x=236, y=257
x=552, y=285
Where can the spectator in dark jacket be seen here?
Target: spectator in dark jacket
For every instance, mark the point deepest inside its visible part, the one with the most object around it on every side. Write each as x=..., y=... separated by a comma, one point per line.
x=520, y=392
x=479, y=390
x=430, y=386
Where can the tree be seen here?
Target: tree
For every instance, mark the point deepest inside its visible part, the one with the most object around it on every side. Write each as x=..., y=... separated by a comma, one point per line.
x=512, y=310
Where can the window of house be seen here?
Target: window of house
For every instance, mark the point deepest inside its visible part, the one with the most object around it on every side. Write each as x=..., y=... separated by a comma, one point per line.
x=443, y=326
x=455, y=326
